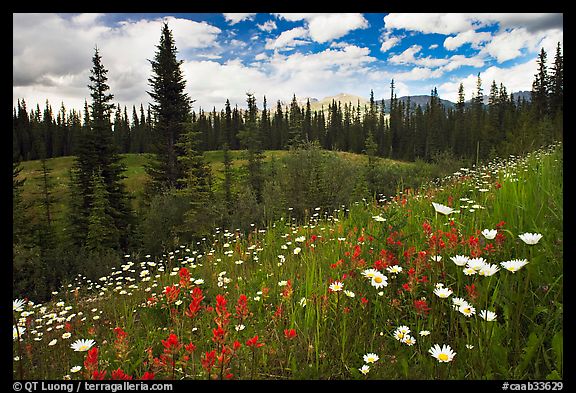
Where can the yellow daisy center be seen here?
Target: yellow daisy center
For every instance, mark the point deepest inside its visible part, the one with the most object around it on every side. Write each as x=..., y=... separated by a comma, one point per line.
x=443, y=357
x=378, y=279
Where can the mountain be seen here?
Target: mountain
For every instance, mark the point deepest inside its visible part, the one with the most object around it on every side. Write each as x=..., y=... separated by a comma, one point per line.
x=422, y=100
x=522, y=95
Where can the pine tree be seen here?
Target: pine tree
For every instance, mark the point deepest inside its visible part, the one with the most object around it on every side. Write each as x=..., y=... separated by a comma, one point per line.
x=102, y=231
x=97, y=153
x=171, y=109
x=227, y=186
x=372, y=153
x=252, y=141
x=265, y=126
x=19, y=208
x=195, y=186
x=557, y=93
x=295, y=123
x=541, y=87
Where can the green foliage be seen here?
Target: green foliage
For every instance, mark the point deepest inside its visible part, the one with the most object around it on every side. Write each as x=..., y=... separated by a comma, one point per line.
x=171, y=109
x=161, y=220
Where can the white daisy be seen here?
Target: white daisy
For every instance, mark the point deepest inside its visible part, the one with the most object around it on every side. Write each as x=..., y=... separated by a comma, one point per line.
x=369, y=273
x=444, y=354
x=75, y=369
x=488, y=270
x=336, y=286
x=514, y=265
x=371, y=358
x=469, y=271
x=379, y=280
x=457, y=302
x=476, y=263
x=530, y=238
x=408, y=340
x=82, y=345
x=488, y=315
x=443, y=292
x=489, y=233
x=17, y=304
x=467, y=310
x=364, y=369
x=442, y=209
x=460, y=260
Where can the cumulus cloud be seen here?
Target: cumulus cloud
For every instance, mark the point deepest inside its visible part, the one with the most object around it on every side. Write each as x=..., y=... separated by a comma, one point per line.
x=279, y=76
x=233, y=18
x=267, y=26
x=508, y=44
x=288, y=39
x=57, y=62
x=328, y=27
x=450, y=23
x=469, y=36
x=389, y=41
x=516, y=78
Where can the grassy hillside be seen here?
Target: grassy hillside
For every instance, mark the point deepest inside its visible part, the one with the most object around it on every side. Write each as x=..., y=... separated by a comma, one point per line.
x=136, y=174
x=362, y=292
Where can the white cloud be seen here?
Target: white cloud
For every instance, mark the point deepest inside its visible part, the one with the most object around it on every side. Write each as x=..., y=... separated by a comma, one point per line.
x=327, y=27
x=406, y=57
x=508, y=45
x=57, y=61
x=457, y=61
x=389, y=41
x=288, y=39
x=233, y=18
x=450, y=23
x=433, y=46
x=267, y=26
x=279, y=76
x=454, y=23
x=469, y=36
x=516, y=78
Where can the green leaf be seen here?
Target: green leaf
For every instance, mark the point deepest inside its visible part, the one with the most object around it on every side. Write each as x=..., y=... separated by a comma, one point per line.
x=557, y=347
x=553, y=375
x=530, y=351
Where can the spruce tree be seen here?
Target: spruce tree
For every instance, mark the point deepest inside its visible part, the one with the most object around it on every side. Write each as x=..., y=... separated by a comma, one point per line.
x=97, y=153
x=252, y=141
x=102, y=231
x=195, y=186
x=171, y=109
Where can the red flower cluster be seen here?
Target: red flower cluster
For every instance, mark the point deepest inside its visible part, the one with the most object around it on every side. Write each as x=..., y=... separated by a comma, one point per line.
x=184, y=277
x=290, y=333
x=195, y=306
x=253, y=343
x=171, y=293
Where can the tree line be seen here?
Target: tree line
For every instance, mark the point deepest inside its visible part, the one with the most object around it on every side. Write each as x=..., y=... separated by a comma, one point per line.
x=504, y=125
x=181, y=202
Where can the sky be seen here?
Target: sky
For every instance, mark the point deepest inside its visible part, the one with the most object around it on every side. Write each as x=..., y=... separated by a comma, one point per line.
x=278, y=55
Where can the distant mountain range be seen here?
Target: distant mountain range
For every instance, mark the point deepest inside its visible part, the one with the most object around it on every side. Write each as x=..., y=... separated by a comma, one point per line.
x=422, y=100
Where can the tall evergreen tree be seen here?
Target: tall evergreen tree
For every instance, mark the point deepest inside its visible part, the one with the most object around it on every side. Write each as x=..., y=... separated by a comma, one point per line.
x=97, y=153
x=541, y=87
x=252, y=141
x=171, y=109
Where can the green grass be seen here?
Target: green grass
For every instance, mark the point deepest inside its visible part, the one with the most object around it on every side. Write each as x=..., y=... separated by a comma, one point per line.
x=290, y=290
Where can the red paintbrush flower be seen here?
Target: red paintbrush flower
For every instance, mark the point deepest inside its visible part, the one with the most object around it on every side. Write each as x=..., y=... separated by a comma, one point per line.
x=147, y=376
x=120, y=375
x=289, y=333
x=172, y=342
x=253, y=342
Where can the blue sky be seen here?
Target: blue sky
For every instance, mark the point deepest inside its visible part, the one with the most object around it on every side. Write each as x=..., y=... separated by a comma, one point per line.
x=278, y=55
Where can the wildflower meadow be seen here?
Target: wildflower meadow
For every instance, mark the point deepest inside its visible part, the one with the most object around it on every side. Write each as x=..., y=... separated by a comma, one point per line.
x=460, y=279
